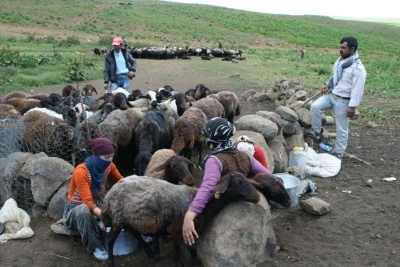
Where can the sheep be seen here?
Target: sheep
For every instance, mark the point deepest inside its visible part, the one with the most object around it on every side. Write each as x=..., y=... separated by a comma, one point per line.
x=17, y=94
x=201, y=91
x=211, y=107
x=47, y=111
x=182, y=103
x=135, y=95
x=230, y=102
x=166, y=165
x=151, y=134
x=100, y=115
x=103, y=100
x=120, y=90
x=187, y=133
x=8, y=111
x=44, y=133
x=89, y=89
x=68, y=90
x=19, y=103
x=191, y=92
x=51, y=101
x=149, y=206
x=272, y=188
x=80, y=109
x=96, y=52
x=120, y=101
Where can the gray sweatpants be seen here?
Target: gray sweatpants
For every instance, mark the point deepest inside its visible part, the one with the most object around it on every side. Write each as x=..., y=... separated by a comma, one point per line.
x=79, y=218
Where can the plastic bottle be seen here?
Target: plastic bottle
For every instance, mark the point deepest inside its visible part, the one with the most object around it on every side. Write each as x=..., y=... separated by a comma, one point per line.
x=298, y=157
x=325, y=147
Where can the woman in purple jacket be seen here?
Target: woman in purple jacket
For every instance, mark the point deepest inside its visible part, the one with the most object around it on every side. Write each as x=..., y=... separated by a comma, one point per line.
x=224, y=159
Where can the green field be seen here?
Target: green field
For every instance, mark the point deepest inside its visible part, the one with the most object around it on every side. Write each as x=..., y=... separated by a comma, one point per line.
x=40, y=38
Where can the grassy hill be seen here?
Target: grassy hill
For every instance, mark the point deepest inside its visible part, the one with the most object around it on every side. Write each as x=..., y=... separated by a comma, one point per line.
x=46, y=35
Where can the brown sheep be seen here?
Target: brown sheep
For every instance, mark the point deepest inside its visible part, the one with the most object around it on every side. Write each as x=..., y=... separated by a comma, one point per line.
x=201, y=91
x=8, y=111
x=187, y=133
x=68, y=90
x=230, y=102
x=19, y=103
x=211, y=107
x=15, y=94
x=89, y=89
x=154, y=207
x=166, y=165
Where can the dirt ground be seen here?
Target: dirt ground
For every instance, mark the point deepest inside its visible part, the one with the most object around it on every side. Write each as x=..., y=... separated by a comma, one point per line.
x=362, y=228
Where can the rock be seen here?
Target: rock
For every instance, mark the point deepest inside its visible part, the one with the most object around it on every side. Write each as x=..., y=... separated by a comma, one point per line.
x=46, y=175
x=280, y=155
x=315, y=206
x=240, y=235
x=56, y=205
x=257, y=124
x=248, y=94
x=287, y=113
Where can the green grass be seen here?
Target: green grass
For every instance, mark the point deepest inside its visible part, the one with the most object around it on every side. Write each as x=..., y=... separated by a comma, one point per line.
x=270, y=42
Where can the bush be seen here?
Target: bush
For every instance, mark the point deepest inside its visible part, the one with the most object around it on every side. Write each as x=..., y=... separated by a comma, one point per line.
x=71, y=40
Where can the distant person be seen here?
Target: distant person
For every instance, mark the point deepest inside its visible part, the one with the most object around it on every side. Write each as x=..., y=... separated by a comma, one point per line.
x=343, y=93
x=302, y=51
x=119, y=67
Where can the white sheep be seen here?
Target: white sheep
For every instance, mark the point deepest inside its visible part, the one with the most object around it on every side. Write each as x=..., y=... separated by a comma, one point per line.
x=46, y=111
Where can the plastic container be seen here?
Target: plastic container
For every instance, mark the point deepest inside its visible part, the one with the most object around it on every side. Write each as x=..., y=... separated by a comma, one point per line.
x=291, y=184
x=125, y=244
x=297, y=157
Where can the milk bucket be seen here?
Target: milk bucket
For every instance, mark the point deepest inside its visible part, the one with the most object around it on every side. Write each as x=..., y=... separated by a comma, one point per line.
x=291, y=184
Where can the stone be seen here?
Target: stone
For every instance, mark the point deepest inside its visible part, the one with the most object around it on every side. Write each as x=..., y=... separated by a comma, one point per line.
x=315, y=206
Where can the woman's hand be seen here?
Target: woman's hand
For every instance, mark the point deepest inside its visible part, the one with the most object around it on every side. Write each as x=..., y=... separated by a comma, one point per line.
x=97, y=212
x=188, y=231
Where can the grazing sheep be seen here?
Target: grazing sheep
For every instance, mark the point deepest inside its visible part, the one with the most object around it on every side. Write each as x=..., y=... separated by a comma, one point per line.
x=211, y=107
x=187, y=133
x=96, y=52
x=166, y=165
x=201, y=91
x=230, y=102
x=151, y=134
x=150, y=206
x=272, y=188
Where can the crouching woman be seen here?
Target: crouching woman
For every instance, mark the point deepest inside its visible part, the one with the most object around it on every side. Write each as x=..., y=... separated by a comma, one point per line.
x=87, y=190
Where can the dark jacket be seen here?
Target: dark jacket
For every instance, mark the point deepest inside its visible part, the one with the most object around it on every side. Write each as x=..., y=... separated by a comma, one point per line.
x=235, y=161
x=110, y=67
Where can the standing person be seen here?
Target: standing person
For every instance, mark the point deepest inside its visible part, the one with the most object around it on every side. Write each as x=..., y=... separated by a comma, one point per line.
x=302, y=51
x=119, y=67
x=225, y=158
x=342, y=93
x=82, y=211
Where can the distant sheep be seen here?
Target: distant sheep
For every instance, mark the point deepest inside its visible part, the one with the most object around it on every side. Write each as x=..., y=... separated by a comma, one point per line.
x=154, y=207
x=166, y=165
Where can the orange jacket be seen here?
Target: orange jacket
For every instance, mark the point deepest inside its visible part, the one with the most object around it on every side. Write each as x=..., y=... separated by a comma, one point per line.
x=80, y=187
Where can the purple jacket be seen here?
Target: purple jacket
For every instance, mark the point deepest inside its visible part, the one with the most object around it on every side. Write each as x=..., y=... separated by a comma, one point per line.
x=211, y=177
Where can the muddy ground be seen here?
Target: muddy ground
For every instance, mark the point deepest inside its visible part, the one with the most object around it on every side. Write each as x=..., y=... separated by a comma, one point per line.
x=362, y=228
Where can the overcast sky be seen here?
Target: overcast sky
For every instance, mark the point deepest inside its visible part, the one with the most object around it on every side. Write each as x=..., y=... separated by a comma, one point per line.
x=382, y=9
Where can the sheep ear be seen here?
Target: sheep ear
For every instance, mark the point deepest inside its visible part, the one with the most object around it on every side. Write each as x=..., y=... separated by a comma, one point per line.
x=223, y=185
x=257, y=185
x=163, y=166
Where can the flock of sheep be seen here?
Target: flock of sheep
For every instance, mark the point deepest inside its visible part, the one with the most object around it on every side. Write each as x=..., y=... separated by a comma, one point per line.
x=156, y=133
x=178, y=52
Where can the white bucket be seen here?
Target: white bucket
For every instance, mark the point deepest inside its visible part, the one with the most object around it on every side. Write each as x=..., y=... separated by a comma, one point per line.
x=291, y=184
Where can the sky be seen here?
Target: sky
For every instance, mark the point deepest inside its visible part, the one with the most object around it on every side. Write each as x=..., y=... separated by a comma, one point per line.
x=381, y=9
